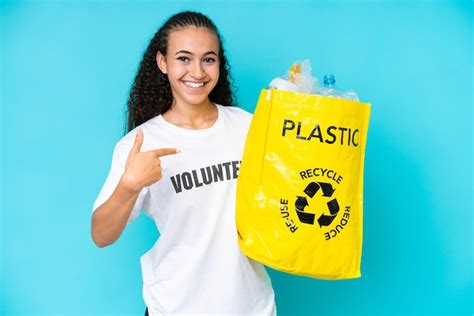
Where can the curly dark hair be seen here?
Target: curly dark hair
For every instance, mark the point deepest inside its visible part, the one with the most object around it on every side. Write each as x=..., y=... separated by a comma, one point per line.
x=150, y=94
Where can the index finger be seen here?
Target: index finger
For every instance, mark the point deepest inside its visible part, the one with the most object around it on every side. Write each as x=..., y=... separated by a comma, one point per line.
x=166, y=151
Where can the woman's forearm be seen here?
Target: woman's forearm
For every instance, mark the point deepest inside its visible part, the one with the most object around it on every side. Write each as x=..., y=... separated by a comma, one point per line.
x=109, y=219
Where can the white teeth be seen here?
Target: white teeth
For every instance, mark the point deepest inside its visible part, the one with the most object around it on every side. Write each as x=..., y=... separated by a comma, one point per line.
x=194, y=84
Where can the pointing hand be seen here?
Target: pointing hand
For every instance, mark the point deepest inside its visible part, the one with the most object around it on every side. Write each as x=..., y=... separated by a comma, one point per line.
x=144, y=168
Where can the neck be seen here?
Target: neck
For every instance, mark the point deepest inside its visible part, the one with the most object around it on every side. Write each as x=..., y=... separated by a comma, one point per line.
x=194, y=116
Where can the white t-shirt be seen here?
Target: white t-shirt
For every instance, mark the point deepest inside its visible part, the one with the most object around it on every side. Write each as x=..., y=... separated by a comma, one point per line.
x=196, y=266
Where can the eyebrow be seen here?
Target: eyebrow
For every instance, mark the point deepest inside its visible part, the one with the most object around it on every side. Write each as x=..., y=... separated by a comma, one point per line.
x=187, y=52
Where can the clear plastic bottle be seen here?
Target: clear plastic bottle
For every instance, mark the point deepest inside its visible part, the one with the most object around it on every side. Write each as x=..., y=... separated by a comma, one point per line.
x=351, y=95
x=330, y=89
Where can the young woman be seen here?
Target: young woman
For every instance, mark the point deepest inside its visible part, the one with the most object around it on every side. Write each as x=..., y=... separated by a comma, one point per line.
x=179, y=162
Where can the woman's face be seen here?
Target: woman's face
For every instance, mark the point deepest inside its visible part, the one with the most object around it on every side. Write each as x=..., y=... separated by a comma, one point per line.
x=192, y=64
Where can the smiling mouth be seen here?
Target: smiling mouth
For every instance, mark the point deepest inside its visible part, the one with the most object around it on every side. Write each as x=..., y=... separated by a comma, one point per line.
x=194, y=85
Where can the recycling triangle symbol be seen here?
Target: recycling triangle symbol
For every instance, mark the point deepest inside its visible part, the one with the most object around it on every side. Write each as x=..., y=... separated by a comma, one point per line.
x=301, y=202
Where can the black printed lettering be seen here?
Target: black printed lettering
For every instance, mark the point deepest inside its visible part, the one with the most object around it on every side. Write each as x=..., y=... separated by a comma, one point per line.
x=205, y=176
x=342, y=135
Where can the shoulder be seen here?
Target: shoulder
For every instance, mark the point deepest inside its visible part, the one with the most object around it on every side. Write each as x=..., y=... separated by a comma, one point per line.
x=126, y=141
x=237, y=113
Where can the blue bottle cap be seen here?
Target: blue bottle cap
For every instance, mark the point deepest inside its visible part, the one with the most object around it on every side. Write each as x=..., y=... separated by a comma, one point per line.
x=329, y=79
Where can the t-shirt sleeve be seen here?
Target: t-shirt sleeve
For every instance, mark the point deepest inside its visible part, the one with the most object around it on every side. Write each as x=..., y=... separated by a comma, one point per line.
x=117, y=168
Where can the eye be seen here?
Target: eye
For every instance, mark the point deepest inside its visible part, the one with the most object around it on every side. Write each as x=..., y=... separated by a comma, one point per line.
x=209, y=60
x=183, y=59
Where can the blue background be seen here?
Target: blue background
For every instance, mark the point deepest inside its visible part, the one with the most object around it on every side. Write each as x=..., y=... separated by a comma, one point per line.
x=66, y=71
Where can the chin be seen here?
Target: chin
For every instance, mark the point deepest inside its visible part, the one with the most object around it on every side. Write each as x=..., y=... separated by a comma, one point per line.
x=194, y=101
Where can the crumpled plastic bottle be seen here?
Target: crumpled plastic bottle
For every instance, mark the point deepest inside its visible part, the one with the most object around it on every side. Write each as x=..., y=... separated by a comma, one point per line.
x=299, y=79
x=330, y=89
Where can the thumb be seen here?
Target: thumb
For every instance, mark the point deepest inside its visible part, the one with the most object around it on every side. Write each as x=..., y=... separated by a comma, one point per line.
x=138, y=142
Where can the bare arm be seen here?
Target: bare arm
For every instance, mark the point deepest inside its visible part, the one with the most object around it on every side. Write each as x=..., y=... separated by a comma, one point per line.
x=109, y=219
x=141, y=170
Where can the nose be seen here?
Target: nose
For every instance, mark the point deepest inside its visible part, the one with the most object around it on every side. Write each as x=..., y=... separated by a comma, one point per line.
x=197, y=71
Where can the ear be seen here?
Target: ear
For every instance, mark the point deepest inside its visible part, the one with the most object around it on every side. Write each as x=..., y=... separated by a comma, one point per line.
x=161, y=62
